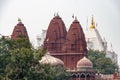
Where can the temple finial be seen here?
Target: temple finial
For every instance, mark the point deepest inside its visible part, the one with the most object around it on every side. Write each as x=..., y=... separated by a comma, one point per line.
x=57, y=14
x=19, y=20
x=75, y=17
x=92, y=23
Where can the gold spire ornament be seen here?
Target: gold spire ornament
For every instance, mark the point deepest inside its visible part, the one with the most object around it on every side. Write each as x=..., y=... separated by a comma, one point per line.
x=92, y=23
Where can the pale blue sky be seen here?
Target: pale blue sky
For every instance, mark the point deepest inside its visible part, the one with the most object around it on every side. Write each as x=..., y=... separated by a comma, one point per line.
x=36, y=15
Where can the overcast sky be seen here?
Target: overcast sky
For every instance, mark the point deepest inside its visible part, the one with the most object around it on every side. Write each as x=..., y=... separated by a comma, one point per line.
x=36, y=15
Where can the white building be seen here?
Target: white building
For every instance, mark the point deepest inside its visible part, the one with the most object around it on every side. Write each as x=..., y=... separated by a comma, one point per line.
x=93, y=38
x=41, y=38
x=95, y=42
x=111, y=54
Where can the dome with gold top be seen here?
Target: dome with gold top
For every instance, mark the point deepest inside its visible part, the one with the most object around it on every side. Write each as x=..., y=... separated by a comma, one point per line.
x=84, y=64
x=48, y=59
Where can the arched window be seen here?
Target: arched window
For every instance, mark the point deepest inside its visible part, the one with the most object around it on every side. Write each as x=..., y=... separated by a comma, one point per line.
x=88, y=75
x=74, y=75
x=82, y=75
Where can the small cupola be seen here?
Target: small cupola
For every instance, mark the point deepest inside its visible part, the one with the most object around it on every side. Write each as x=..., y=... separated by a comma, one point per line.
x=84, y=64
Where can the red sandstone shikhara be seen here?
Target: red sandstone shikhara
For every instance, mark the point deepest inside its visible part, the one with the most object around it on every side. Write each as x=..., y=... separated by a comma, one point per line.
x=19, y=30
x=70, y=47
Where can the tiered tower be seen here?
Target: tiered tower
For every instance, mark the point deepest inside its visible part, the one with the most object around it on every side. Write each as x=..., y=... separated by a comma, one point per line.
x=55, y=36
x=94, y=40
x=19, y=31
x=69, y=46
x=75, y=39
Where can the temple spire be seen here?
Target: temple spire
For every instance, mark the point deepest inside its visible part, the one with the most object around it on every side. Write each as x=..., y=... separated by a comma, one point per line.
x=56, y=35
x=92, y=23
x=19, y=30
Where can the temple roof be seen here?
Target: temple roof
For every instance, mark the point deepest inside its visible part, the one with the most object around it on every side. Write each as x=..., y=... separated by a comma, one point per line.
x=56, y=28
x=84, y=62
x=94, y=39
x=48, y=59
x=85, y=65
x=19, y=30
x=56, y=35
x=75, y=40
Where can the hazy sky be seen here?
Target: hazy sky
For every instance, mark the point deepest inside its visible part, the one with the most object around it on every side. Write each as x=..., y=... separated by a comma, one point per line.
x=36, y=15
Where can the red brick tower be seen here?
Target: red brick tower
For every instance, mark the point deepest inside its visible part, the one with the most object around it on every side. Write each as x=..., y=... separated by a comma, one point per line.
x=69, y=48
x=75, y=40
x=74, y=47
x=19, y=30
x=56, y=34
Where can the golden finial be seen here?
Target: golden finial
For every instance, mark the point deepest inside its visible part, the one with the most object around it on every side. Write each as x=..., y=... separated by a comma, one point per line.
x=92, y=23
x=19, y=20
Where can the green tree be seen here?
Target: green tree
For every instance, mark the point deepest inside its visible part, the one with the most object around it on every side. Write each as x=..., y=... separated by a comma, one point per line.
x=20, y=42
x=22, y=65
x=53, y=73
x=4, y=46
x=19, y=61
x=4, y=56
x=101, y=63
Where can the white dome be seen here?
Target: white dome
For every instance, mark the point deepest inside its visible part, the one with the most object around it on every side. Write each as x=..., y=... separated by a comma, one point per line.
x=48, y=59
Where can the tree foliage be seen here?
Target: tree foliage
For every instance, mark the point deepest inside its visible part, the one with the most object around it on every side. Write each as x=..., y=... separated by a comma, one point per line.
x=101, y=63
x=20, y=61
x=4, y=46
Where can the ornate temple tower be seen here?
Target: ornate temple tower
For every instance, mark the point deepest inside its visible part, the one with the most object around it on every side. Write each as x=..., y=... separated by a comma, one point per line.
x=55, y=36
x=75, y=40
x=69, y=46
x=19, y=30
x=94, y=40
x=74, y=47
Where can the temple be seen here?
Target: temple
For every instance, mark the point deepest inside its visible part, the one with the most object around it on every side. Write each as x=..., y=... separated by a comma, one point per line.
x=70, y=47
x=55, y=36
x=19, y=31
x=75, y=39
x=93, y=38
x=95, y=41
